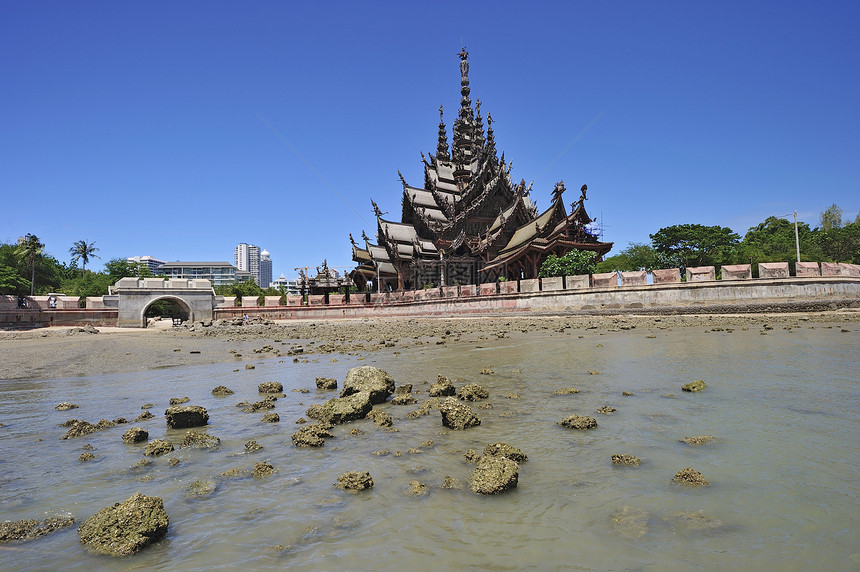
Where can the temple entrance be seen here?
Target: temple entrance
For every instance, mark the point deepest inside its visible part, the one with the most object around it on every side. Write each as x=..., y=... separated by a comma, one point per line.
x=167, y=308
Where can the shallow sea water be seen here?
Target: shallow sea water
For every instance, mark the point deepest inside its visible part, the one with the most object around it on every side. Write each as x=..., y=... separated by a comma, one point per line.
x=783, y=470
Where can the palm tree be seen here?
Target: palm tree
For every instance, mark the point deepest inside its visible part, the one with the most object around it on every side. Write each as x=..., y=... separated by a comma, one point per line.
x=28, y=249
x=83, y=251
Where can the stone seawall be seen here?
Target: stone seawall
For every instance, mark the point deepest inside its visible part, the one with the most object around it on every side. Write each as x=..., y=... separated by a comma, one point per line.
x=784, y=294
x=75, y=317
x=723, y=296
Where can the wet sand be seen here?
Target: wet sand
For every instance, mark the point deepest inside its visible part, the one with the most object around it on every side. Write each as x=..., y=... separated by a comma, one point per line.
x=47, y=353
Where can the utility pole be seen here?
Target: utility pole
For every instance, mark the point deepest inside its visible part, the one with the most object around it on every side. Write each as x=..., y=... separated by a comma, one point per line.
x=796, y=236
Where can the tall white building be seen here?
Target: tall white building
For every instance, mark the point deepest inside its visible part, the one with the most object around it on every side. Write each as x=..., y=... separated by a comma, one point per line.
x=247, y=258
x=265, y=269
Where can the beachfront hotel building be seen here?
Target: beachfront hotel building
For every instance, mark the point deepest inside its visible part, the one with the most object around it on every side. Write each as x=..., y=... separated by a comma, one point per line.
x=148, y=261
x=219, y=273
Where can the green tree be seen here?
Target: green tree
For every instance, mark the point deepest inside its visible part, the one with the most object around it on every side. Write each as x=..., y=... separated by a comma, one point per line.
x=11, y=282
x=29, y=249
x=83, y=251
x=774, y=241
x=839, y=239
x=831, y=217
x=244, y=289
x=90, y=284
x=841, y=244
x=696, y=244
x=118, y=268
x=637, y=256
x=573, y=263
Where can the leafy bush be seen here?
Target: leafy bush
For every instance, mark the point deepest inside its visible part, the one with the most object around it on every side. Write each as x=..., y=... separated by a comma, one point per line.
x=573, y=263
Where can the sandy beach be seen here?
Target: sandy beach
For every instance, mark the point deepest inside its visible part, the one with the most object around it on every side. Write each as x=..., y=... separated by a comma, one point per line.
x=46, y=353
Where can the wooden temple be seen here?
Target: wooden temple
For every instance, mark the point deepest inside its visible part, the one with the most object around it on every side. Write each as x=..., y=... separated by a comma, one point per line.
x=469, y=223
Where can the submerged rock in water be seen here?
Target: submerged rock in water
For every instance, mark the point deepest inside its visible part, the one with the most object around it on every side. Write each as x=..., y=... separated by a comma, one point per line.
x=579, y=422
x=222, y=390
x=125, y=528
x=104, y=424
x=442, y=388
x=417, y=488
x=24, y=530
x=263, y=469
x=697, y=385
x=368, y=379
x=403, y=399
x=472, y=392
x=179, y=400
x=690, y=476
x=494, y=475
x=424, y=409
x=629, y=522
x=696, y=521
x=566, y=391
x=199, y=440
x=252, y=446
x=380, y=418
x=65, y=406
x=698, y=440
x=270, y=387
x=326, y=383
x=202, y=488
x=135, y=435
x=354, y=481
x=458, y=416
x=185, y=416
x=157, y=447
x=607, y=410
x=86, y=456
x=271, y=418
x=403, y=389
x=505, y=450
x=625, y=460
x=79, y=428
x=312, y=435
x=144, y=416
x=342, y=409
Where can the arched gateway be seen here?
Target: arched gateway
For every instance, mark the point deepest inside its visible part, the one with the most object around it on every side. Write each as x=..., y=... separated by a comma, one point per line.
x=194, y=297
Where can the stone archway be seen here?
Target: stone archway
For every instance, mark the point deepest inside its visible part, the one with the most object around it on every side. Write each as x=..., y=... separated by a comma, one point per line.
x=183, y=309
x=134, y=296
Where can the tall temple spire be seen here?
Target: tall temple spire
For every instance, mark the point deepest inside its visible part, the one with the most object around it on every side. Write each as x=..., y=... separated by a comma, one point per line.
x=442, y=146
x=478, y=136
x=464, y=124
x=490, y=146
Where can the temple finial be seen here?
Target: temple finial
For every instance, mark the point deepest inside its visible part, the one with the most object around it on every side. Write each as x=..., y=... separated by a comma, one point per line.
x=464, y=124
x=442, y=145
x=478, y=136
x=558, y=191
x=491, y=140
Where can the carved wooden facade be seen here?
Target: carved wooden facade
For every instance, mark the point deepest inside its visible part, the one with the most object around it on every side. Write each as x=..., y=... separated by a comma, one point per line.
x=468, y=222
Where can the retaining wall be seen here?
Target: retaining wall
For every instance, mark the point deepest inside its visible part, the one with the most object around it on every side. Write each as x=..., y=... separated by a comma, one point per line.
x=736, y=292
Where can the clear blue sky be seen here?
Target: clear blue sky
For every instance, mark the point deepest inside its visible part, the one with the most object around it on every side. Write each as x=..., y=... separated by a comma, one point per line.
x=135, y=124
